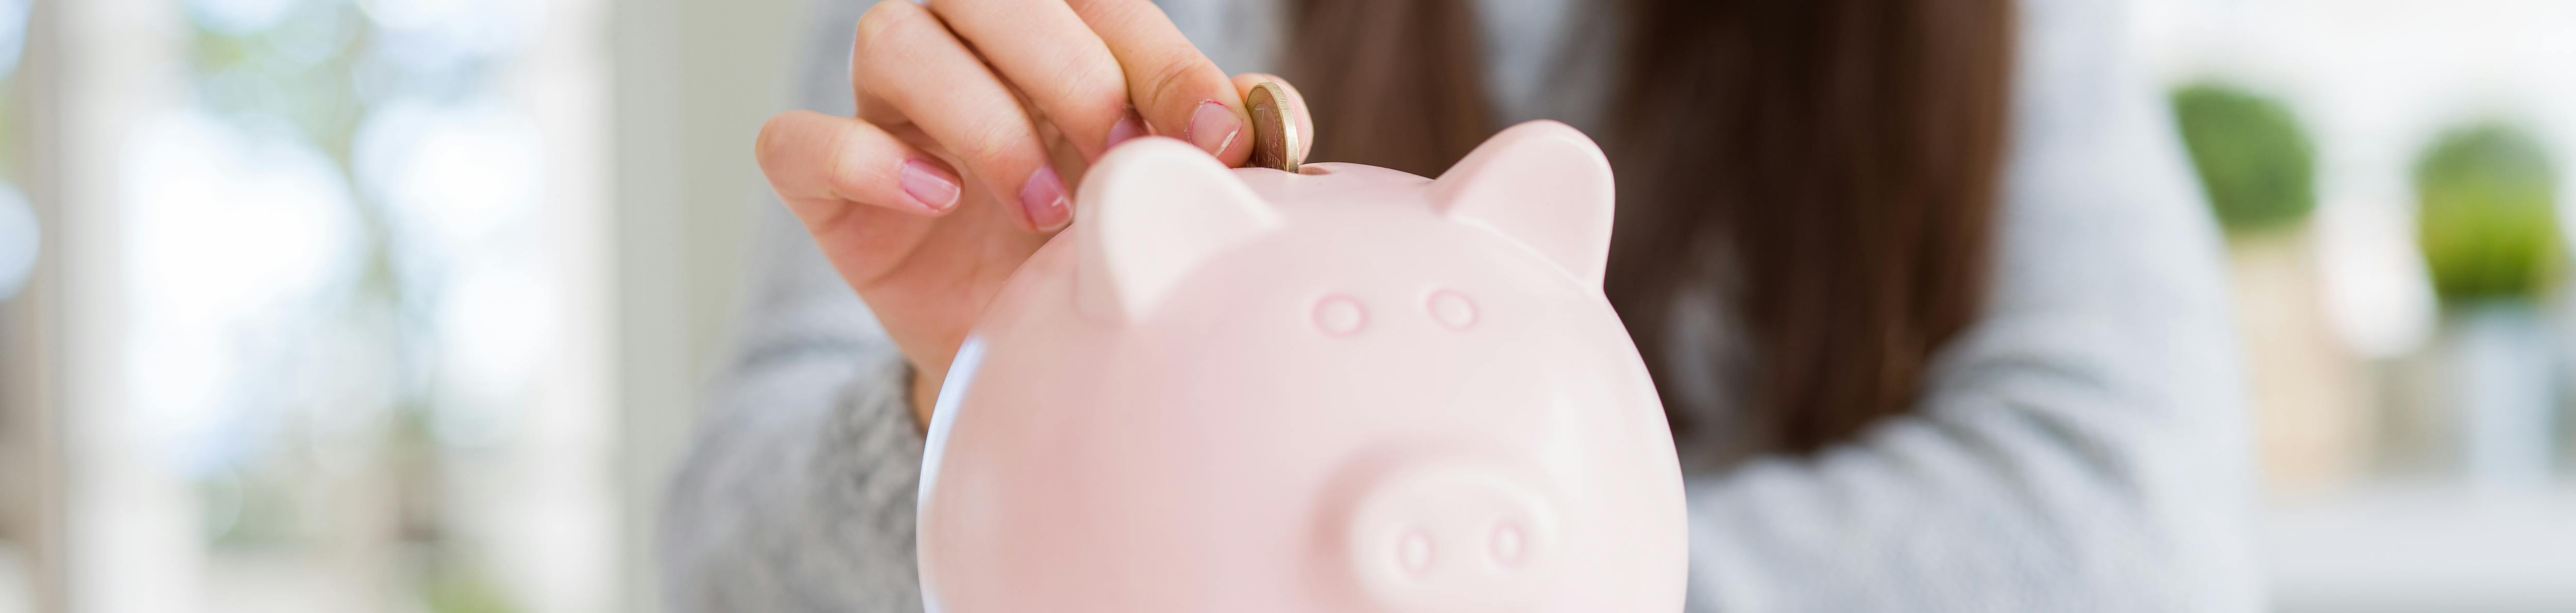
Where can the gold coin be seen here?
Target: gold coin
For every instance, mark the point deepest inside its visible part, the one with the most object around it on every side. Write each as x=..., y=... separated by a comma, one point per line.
x=1274, y=128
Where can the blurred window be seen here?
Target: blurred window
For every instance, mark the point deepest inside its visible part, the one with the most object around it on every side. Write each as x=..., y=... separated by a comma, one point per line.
x=25, y=488
x=352, y=358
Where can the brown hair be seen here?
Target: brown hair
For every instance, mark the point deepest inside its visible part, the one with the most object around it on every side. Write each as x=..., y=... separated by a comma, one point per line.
x=1845, y=152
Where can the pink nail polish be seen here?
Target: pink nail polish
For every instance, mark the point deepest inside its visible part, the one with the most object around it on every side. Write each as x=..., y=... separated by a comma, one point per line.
x=927, y=184
x=1213, y=127
x=1129, y=127
x=1043, y=199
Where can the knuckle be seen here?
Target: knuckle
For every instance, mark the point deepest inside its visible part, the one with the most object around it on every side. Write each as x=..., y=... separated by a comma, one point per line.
x=1171, y=72
x=837, y=168
x=989, y=143
x=851, y=186
x=1092, y=85
x=885, y=26
x=1107, y=12
x=960, y=10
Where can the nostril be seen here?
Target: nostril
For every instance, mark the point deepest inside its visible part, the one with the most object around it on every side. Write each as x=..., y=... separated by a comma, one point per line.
x=1449, y=533
x=1506, y=544
x=1452, y=309
x=1414, y=552
x=1339, y=315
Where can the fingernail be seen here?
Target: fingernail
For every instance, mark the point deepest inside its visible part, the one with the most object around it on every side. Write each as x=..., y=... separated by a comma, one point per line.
x=1043, y=198
x=1213, y=127
x=933, y=187
x=1130, y=127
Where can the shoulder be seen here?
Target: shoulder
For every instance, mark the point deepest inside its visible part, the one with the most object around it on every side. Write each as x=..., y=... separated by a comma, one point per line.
x=2092, y=153
x=2072, y=65
x=2102, y=228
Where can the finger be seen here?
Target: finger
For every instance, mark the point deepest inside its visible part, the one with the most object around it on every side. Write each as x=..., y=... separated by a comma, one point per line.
x=1174, y=86
x=1051, y=56
x=908, y=59
x=823, y=164
x=1304, y=119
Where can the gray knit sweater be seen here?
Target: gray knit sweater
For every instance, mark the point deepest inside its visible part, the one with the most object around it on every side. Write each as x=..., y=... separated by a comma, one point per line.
x=2081, y=448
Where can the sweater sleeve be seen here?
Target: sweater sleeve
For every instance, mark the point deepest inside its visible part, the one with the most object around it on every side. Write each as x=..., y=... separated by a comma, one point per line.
x=2082, y=447
x=797, y=491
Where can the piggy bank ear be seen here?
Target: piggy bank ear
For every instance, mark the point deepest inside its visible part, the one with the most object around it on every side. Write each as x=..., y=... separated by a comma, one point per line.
x=1542, y=183
x=1149, y=213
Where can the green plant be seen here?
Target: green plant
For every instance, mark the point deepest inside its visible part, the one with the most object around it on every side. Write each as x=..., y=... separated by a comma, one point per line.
x=448, y=590
x=2487, y=218
x=2255, y=163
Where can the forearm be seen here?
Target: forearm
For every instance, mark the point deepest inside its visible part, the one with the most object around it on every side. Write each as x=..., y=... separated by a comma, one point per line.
x=2029, y=491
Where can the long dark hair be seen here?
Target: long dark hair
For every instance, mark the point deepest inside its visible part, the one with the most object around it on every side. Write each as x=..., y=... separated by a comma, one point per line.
x=1844, y=153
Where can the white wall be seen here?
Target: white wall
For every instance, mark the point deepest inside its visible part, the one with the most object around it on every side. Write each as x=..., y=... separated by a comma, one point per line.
x=693, y=81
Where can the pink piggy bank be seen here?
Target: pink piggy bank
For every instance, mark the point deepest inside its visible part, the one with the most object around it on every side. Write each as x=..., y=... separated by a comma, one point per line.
x=1343, y=389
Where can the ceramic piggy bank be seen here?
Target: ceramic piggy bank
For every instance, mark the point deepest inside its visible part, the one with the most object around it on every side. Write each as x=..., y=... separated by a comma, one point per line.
x=1342, y=389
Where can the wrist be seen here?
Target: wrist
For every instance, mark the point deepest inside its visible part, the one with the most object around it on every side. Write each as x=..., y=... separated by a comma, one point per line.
x=924, y=395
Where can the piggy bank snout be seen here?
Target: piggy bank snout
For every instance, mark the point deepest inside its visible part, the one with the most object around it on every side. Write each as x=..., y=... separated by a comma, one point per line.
x=1451, y=537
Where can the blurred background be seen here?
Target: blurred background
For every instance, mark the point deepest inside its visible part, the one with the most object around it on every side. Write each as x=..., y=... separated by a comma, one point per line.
x=404, y=305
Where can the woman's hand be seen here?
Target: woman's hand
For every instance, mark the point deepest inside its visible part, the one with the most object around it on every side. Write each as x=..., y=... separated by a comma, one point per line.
x=972, y=116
